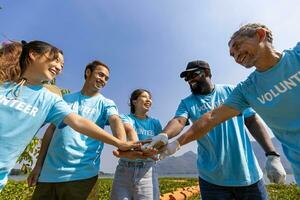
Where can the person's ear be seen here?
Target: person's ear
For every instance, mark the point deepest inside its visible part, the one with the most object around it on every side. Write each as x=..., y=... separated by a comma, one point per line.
x=134, y=102
x=33, y=55
x=88, y=73
x=261, y=33
x=207, y=73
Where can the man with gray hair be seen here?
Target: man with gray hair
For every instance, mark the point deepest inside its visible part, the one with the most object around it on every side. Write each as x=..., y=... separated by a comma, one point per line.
x=272, y=90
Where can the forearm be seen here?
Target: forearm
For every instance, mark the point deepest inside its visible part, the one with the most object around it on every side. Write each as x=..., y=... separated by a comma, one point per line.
x=131, y=135
x=259, y=131
x=90, y=129
x=45, y=144
x=173, y=128
x=117, y=127
x=206, y=123
x=199, y=128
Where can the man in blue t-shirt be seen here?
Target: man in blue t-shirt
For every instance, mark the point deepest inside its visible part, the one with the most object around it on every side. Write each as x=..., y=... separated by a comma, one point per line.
x=226, y=164
x=272, y=90
x=69, y=169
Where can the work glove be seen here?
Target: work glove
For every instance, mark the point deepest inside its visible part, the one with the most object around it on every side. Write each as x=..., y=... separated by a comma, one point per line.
x=275, y=170
x=170, y=149
x=156, y=142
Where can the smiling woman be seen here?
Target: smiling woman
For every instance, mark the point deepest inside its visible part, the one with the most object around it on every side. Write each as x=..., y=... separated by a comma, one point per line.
x=143, y=183
x=19, y=61
x=25, y=105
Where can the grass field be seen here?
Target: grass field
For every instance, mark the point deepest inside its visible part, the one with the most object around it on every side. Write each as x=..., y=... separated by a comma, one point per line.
x=20, y=191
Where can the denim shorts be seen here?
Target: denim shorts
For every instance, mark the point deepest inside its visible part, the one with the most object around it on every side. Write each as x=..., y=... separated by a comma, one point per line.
x=135, y=181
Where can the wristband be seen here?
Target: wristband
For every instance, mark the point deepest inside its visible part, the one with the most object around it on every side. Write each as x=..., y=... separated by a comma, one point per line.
x=272, y=153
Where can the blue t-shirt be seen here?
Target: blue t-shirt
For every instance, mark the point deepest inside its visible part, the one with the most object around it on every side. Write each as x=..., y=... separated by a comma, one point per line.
x=274, y=95
x=225, y=155
x=71, y=155
x=21, y=118
x=145, y=128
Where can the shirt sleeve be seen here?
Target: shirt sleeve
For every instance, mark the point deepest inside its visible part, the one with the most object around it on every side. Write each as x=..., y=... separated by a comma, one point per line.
x=296, y=50
x=182, y=110
x=158, y=127
x=248, y=112
x=125, y=119
x=237, y=99
x=111, y=109
x=58, y=112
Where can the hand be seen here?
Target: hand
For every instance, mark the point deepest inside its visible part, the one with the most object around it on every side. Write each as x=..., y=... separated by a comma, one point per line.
x=156, y=142
x=124, y=146
x=33, y=176
x=275, y=170
x=135, y=154
x=146, y=141
x=170, y=149
x=141, y=143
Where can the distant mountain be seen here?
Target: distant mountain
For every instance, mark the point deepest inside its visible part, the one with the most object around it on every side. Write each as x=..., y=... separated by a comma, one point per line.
x=186, y=163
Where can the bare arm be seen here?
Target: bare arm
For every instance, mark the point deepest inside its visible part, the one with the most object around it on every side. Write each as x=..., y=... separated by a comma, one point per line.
x=117, y=127
x=274, y=168
x=207, y=122
x=45, y=144
x=34, y=175
x=260, y=133
x=130, y=133
x=90, y=129
x=174, y=126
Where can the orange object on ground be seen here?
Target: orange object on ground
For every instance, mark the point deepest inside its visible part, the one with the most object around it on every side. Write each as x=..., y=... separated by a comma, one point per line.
x=181, y=193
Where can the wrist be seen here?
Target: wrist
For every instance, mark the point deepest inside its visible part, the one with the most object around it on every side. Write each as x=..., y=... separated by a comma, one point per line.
x=164, y=134
x=117, y=143
x=180, y=141
x=177, y=145
x=272, y=153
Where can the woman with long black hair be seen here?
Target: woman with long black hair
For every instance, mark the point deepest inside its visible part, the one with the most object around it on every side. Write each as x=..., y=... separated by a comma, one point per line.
x=25, y=105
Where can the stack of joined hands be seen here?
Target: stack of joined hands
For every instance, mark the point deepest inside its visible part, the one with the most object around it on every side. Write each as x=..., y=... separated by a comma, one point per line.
x=159, y=145
x=150, y=148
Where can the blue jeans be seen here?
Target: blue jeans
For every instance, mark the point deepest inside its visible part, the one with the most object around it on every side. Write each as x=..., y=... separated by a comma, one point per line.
x=135, y=181
x=209, y=191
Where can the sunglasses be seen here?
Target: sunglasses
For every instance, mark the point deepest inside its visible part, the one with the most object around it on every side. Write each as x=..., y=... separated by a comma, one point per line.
x=194, y=74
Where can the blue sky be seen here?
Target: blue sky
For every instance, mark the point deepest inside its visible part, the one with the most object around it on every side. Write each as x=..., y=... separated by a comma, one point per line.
x=146, y=43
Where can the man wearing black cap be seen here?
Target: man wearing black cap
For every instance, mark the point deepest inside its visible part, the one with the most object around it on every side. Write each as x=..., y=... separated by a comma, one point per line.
x=226, y=163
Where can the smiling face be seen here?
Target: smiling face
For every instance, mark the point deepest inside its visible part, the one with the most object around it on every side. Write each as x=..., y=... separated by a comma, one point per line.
x=97, y=78
x=199, y=81
x=143, y=103
x=44, y=67
x=245, y=50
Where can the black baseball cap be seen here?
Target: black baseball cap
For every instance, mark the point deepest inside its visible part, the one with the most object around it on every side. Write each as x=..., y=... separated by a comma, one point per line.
x=194, y=66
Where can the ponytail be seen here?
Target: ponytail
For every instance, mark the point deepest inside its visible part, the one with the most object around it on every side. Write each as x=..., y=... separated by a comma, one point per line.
x=10, y=62
x=14, y=57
